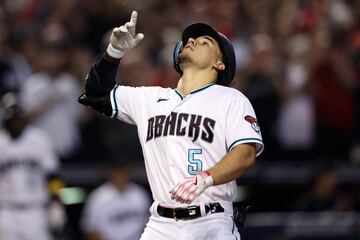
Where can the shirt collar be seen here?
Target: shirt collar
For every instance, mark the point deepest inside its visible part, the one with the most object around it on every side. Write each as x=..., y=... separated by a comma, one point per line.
x=195, y=91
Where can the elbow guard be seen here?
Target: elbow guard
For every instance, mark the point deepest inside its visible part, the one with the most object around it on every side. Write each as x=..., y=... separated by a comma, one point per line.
x=100, y=104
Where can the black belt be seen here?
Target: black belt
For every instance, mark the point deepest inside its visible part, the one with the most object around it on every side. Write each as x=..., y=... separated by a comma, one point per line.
x=188, y=212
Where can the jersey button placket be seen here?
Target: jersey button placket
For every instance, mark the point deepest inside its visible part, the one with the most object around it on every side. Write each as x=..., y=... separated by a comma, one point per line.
x=171, y=154
x=170, y=151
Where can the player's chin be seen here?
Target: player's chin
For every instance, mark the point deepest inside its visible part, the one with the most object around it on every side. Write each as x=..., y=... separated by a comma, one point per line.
x=185, y=58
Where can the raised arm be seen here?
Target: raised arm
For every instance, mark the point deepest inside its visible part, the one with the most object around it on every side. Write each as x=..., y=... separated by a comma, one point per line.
x=101, y=78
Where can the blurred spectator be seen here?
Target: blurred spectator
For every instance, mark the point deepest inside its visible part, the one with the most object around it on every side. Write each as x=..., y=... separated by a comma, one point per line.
x=325, y=194
x=27, y=162
x=117, y=209
x=14, y=68
x=7, y=78
x=329, y=80
x=49, y=96
x=298, y=62
x=355, y=73
x=261, y=85
x=104, y=138
x=333, y=105
x=288, y=88
x=296, y=123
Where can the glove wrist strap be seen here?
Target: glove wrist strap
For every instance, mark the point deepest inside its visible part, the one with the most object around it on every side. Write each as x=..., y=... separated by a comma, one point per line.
x=208, y=179
x=114, y=53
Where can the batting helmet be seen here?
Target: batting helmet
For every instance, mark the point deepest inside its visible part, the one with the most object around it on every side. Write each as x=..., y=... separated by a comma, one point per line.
x=196, y=30
x=12, y=116
x=10, y=106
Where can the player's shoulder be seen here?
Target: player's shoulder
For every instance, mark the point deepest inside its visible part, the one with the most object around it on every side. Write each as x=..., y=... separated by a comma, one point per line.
x=148, y=89
x=66, y=82
x=139, y=195
x=144, y=91
x=37, y=78
x=102, y=193
x=36, y=82
x=229, y=92
x=4, y=137
x=137, y=189
x=36, y=134
x=157, y=90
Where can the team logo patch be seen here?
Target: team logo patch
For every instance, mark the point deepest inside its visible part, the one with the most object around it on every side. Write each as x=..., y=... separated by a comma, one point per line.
x=253, y=122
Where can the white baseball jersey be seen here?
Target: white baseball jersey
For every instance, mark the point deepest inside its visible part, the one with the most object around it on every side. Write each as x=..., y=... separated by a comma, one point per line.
x=24, y=164
x=183, y=135
x=116, y=215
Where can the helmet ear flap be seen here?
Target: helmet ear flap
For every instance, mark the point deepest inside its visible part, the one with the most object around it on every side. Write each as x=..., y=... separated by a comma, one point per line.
x=176, y=56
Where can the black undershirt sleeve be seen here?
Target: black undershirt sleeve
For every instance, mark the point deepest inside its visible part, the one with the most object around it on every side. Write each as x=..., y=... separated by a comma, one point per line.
x=106, y=69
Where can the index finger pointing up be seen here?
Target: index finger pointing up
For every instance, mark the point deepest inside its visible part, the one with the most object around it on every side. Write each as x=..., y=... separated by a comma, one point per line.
x=134, y=16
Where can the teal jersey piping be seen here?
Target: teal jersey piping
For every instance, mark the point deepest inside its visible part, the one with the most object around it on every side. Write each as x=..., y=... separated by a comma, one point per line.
x=181, y=97
x=114, y=99
x=195, y=91
x=203, y=88
x=245, y=140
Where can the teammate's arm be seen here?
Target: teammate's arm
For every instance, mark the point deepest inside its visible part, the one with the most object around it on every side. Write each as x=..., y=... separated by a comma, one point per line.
x=101, y=78
x=54, y=184
x=56, y=209
x=44, y=106
x=229, y=168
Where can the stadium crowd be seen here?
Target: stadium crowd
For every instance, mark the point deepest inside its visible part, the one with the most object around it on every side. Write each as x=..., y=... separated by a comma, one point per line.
x=298, y=62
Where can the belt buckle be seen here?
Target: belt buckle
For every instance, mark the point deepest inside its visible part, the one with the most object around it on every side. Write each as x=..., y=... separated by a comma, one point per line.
x=174, y=213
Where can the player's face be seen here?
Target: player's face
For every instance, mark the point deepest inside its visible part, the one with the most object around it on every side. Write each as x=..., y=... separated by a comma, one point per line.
x=120, y=176
x=14, y=126
x=203, y=51
x=53, y=60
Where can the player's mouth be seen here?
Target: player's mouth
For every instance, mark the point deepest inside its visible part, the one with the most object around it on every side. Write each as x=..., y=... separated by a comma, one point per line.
x=189, y=46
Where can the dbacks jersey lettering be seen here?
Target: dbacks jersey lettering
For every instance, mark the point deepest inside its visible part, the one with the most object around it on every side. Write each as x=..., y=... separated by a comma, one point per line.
x=181, y=124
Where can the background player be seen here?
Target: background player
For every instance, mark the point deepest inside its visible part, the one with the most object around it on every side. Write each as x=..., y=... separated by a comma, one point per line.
x=27, y=161
x=197, y=139
x=118, y=208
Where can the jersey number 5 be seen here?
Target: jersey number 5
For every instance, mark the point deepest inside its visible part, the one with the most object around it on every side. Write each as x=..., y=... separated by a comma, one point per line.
x=195, y=164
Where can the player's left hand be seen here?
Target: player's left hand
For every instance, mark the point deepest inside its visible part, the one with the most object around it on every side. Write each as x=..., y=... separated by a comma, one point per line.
x=190, y=188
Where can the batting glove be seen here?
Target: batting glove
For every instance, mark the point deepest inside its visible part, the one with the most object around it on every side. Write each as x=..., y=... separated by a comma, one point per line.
x=191, y=187
x=124, y=38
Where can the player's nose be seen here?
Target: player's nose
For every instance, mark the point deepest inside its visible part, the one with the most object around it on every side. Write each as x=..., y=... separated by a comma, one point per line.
x=191, y=41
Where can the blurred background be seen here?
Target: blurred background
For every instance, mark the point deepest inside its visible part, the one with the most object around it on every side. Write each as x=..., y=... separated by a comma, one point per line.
x=298, y=61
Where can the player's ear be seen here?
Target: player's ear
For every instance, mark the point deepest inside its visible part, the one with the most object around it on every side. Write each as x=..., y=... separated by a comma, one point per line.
x=219, y=65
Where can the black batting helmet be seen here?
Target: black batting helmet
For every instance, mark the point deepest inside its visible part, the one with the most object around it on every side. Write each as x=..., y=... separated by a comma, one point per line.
x=12, y=115
x=196, y=30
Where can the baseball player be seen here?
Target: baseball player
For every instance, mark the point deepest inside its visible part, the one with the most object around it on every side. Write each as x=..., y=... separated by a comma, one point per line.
x=26, y=162
x=197, y=139
x=118, y=208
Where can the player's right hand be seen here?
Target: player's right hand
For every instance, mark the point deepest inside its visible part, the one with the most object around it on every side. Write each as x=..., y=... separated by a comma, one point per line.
x=188, y=189
x=124, y=38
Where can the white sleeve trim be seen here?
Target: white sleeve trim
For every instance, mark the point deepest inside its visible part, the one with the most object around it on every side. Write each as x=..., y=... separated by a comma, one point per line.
x=259, y=144
x=114, y=106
